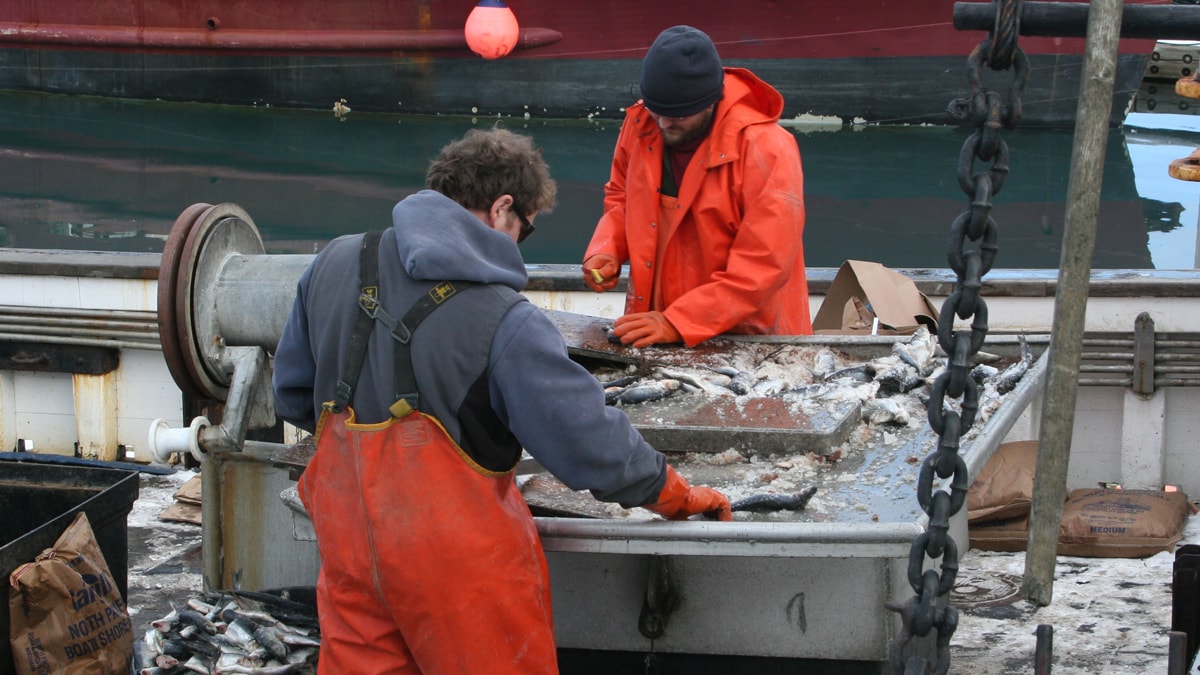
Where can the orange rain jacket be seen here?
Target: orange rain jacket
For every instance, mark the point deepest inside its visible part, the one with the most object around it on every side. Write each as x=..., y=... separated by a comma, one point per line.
x=734, y=262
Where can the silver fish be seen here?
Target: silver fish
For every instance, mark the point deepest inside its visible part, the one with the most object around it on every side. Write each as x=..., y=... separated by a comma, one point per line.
x=294, y=639
x=898, y=380
x=918, y=351
x=770, y=387
x=807, y=391
x=775, y=502
x=623, y=381
x=304, y=654
x=240, y=632
x=268, y=638
x=196, y=664
x=983, y=372
x=884, y=410
x=164, y=624
x=277, y=669
x=191, y=616
x=651, y=391
x=743, y=382
x=1008, y=378
x=697, y=382
x=859, y=373
x=824, y=364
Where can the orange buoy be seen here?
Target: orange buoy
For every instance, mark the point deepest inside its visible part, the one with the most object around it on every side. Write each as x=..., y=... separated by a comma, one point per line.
x=1187, y=168
x=492, y=29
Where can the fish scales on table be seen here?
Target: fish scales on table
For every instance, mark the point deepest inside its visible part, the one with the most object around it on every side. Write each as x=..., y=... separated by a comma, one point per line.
x=235, y=632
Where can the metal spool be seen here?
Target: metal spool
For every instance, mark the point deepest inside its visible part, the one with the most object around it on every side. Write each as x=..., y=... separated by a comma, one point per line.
x=202, y=239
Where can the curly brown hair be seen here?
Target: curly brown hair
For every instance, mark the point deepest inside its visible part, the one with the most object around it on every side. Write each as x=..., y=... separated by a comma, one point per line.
x=486, y=163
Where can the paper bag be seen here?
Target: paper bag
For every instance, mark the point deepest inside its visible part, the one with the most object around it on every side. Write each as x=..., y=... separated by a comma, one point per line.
x=67, y=615
x=1107, y=523
x=864, y=291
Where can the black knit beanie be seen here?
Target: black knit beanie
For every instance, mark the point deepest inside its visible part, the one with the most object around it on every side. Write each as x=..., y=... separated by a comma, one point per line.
x=681, y=74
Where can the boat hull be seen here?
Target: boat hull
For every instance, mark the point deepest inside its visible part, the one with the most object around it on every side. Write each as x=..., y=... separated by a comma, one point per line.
x=883, y=62
x=848, y=89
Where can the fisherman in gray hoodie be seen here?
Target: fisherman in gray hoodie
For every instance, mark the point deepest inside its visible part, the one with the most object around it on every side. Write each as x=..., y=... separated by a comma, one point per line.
x=422, y=371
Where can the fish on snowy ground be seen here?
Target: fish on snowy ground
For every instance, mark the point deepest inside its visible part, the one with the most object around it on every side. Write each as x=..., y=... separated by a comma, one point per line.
x=241, y=632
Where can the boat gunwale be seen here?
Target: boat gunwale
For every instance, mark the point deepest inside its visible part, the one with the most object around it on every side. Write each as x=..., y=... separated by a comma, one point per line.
x=562, y=277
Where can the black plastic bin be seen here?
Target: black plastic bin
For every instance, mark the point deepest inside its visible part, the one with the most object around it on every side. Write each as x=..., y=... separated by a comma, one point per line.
x=37, y=504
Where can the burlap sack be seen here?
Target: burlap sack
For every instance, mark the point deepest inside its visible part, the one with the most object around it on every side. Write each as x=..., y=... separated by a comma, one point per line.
x=1004, y=487
x=67, y=615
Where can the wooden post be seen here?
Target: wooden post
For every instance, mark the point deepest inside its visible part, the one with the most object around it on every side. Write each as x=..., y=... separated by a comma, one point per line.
x=1070, y=302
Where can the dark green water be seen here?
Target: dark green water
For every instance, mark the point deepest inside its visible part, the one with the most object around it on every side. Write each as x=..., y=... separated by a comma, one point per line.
x=85, y=173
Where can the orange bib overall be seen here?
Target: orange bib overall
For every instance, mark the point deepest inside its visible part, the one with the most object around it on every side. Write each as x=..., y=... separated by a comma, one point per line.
x=430, y=563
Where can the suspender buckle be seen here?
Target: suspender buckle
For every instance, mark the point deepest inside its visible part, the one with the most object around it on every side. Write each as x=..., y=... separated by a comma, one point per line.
x=369, y=300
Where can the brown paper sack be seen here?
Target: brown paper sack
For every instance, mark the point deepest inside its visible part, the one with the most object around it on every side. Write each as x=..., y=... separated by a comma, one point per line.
x=1004, y=487
x=1105, y=523
x=66, y=612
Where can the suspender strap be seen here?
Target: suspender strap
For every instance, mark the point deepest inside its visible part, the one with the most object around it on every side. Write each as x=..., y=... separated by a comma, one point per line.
x=407, y=397
x=368, y=299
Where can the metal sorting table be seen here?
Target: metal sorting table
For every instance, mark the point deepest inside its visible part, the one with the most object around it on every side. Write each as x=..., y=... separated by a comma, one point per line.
x=808, y=584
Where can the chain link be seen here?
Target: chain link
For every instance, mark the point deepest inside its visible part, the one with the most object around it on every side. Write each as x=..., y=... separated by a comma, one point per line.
x=972, y=251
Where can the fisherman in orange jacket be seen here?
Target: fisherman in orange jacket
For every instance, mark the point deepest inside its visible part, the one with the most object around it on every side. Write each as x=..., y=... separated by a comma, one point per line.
x=705, y=202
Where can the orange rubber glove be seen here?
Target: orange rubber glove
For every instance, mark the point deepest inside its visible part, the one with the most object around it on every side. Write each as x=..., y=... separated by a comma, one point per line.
x=679, y=499
x=601, y=272
x=644, y=329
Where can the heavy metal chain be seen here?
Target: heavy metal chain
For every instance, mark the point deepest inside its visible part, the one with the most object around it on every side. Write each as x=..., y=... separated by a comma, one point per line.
x=972, y=250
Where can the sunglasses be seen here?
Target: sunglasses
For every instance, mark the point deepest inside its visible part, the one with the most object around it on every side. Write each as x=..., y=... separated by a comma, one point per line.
x=527, y=227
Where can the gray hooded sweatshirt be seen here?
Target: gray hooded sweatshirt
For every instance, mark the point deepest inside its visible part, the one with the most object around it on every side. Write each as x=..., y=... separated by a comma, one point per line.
x=491, y=364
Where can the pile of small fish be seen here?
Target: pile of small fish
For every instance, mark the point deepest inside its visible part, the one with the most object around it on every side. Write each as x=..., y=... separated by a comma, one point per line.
x=819, y=377
x=233, y=632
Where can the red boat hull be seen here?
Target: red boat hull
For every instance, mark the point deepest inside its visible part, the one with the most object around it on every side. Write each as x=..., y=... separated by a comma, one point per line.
x=876, y=60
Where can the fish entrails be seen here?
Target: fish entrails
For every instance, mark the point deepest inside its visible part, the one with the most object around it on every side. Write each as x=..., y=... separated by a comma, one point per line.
x=775, y=502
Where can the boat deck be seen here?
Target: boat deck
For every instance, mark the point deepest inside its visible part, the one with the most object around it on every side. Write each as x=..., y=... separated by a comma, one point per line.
x=1109, y=615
